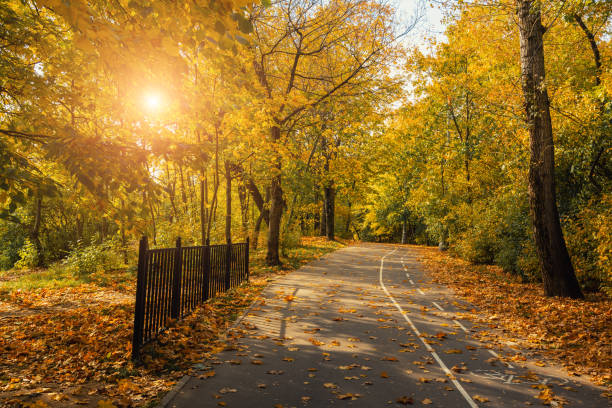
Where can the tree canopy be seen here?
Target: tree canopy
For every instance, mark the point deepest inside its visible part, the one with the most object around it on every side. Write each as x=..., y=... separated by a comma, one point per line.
x=222, y=120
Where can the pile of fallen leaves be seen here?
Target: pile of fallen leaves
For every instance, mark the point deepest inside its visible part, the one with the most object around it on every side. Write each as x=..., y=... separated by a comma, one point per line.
x=72, y=346
x=576, y=333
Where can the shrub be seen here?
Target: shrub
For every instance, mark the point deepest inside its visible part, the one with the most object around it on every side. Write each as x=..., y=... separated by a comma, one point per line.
x=290, y=239
x=86, y=260
x=588, y=237
x=28, y=256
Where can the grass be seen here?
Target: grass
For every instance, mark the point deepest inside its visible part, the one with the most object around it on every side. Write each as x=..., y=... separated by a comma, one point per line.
x=59, y=276
x=38, y=279
x=56, y=313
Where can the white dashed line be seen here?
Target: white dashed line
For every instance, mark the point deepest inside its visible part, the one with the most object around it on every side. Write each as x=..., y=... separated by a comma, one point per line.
x=457, y=322
x=411, y=282
x=407, y=275
x=420, y=291
x=438, y=306
x=494, y=354
x=461, y=390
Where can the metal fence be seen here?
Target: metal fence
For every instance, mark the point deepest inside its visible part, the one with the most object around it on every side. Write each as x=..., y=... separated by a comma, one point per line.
x=171, y=282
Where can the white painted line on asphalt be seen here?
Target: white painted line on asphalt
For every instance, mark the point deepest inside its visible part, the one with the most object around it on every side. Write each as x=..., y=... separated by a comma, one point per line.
x=411, y=282
x=494, y=354
x=438, y=306
x=420, y=291
x=457, y=322
x=456, y=383
x=407, y=275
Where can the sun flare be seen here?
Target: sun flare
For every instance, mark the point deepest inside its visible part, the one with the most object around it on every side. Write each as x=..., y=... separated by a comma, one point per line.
x=153, y=101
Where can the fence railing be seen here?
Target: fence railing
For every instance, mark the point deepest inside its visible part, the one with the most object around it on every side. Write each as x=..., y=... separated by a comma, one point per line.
x=171, y=282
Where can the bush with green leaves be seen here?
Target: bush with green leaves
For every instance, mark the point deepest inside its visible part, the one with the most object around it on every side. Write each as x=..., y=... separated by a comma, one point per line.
x=89, y=259
x=290, y=239
x=28, y=256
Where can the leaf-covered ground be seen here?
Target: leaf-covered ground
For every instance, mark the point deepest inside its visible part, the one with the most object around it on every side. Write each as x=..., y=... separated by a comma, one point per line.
x=574, y=333
x=70, y=346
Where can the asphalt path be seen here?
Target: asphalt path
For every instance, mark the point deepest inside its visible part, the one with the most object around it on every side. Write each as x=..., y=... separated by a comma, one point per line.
x=365, y=327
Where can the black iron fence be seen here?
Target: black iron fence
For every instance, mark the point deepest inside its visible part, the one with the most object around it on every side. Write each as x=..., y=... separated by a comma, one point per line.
x=171, y=282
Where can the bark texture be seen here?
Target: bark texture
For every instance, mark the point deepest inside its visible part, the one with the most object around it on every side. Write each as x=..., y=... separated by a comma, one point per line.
x=330, y=208
x=228, y=202
x=557, y=271
x=276, y=206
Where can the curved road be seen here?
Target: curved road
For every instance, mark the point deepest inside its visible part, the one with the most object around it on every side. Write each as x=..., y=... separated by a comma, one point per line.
x=364, y=327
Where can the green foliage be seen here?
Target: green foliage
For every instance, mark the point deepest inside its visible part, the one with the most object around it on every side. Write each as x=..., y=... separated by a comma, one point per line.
x=13, y=239
x=28, y=256
x=90, y=259
x=459, y=149
x=590, y=244
x=290, y=238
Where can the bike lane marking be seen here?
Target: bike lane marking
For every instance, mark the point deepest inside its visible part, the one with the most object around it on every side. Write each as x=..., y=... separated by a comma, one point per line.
x=452, y=378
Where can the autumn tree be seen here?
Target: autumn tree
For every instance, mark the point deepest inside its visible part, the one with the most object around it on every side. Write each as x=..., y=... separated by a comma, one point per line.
x=287, y=60
x=557, y=271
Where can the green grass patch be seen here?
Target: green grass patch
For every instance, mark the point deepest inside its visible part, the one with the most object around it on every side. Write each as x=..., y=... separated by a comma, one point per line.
x=61, y=275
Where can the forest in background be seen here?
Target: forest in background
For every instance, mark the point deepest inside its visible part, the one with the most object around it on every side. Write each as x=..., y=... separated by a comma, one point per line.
x=276, y=120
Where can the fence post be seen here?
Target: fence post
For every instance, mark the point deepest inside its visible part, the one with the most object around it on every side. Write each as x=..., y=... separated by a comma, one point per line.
x=246, y=260
x=175, y=310
x=228, y=264
x=141, y=281
x=206, y=290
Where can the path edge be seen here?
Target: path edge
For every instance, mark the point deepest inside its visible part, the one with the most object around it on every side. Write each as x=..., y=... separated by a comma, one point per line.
x=183, y=381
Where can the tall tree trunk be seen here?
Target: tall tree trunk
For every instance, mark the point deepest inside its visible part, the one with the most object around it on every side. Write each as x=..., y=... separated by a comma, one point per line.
x=348, y=219
x=594, y=47
x=35, y=233
x=203, y=204
x=598, y=149
x=316, y=217
x=330, y=206
x=323, y=218
x=404, y=231
x=249, y=184
x=183, y=190
x=276, y=205
x=557, y=271
x=228, y=202
x=123, y=236
x=262, y=217
x=213, y=204
x=255, y=239
x=442, y=241
x=244, y=208
x=146, y=197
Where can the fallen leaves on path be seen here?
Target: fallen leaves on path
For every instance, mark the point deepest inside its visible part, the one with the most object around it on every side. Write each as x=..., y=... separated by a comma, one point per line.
x=480, y=398
x=577, y=332
x=349, y=396
x=72, y=346
x=405, y=400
